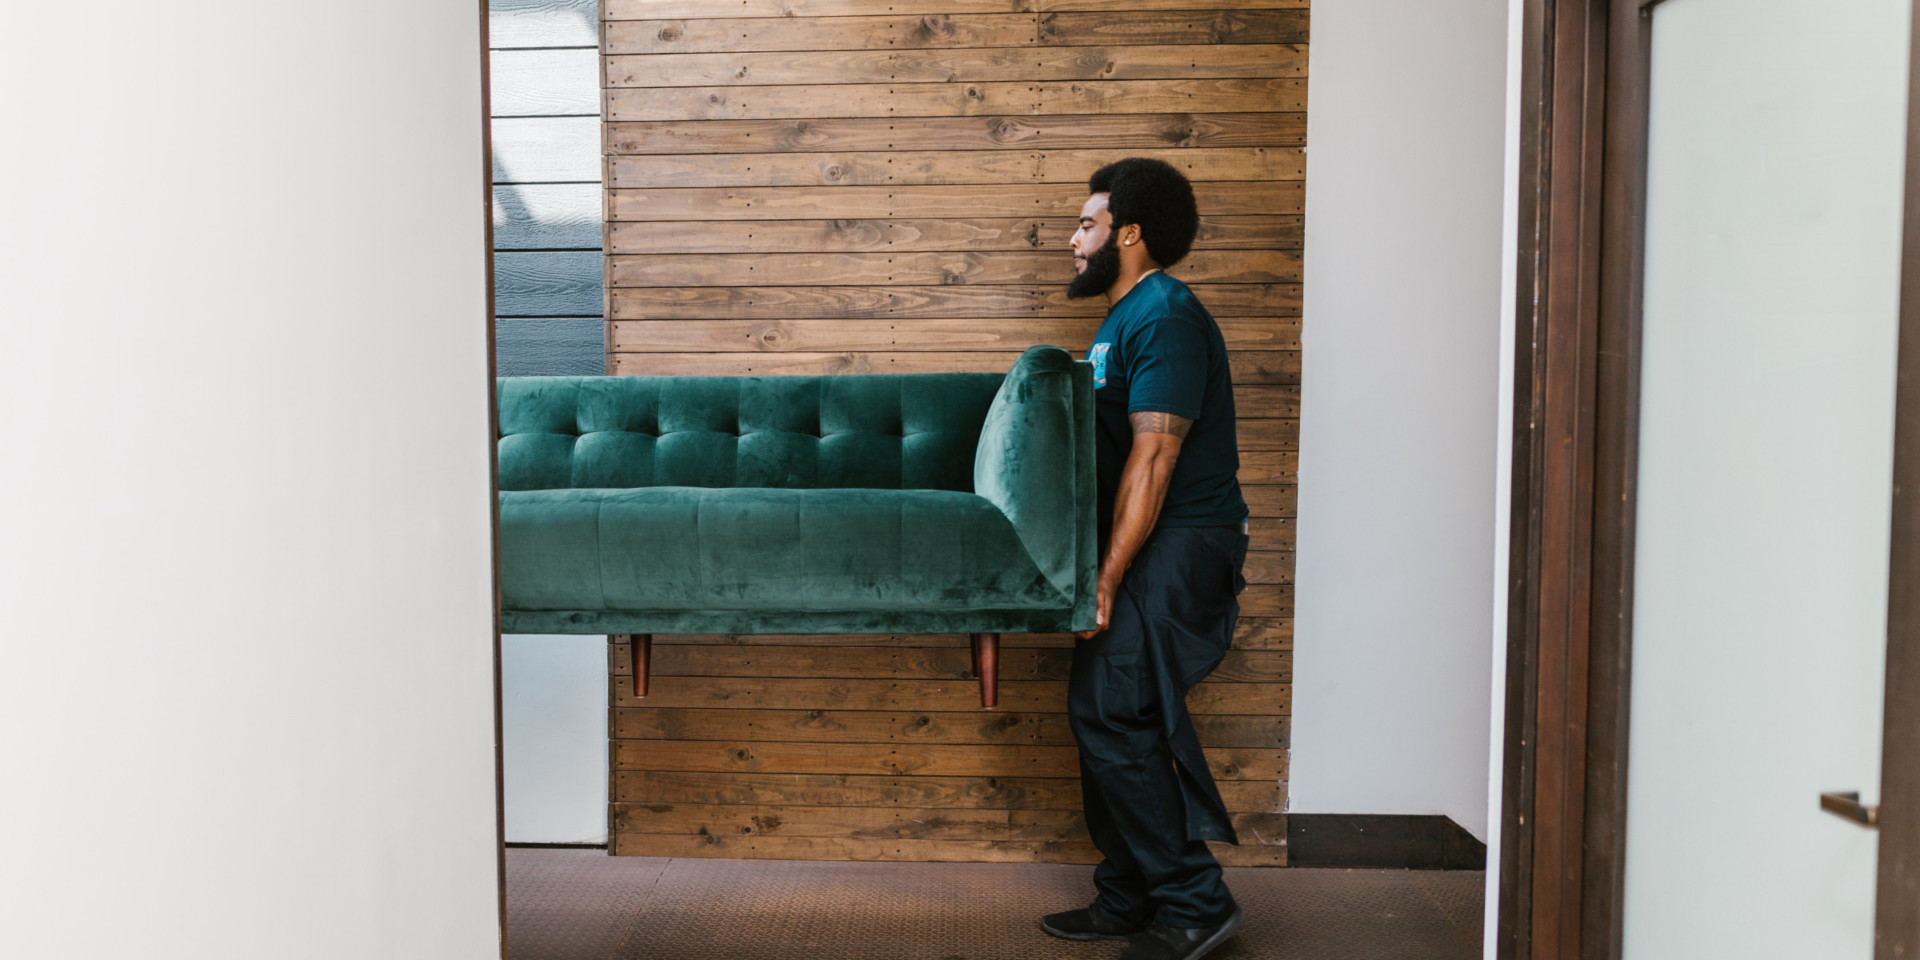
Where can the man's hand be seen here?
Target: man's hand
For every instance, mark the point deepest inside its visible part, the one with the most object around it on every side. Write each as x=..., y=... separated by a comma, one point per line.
x=1102, y=602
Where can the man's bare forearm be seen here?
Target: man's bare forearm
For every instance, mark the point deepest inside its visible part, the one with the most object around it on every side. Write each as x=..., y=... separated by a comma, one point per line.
x=1143, y=490
x=1136, y=507
x=1143, y=486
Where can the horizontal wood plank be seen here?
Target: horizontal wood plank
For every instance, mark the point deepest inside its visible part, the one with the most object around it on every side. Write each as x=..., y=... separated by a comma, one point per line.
x=1270, y=566
x=1013, y=793
x=741, y=820
x=925, y=726
x=921, y=269
x=939, y=167
x=681, y=9
x=1267, y=500
x=838, y=336
x=1267, y=401
x=1268, y=434
x=1252, y=633
x=1249, y=367
x=1271, y=533
x=932, y=302
x=905, y=759
x=912, y=851
x=1129, y=25
x=984, y=200
x=955, y=30
x=979, y=99
x=1269, y=466
x=1266, y=599
x=893, y=65
x=1017, y=695
x=1248, y=371
x=1226, y=232
x=1108, y=132
x=948, y=662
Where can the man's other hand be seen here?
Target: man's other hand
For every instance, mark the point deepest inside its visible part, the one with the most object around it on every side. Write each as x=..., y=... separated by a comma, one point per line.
x=1102, y=603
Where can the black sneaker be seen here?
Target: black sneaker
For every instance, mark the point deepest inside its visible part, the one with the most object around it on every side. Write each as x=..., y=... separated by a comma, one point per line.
x=1086, y=924
x=1159, y=942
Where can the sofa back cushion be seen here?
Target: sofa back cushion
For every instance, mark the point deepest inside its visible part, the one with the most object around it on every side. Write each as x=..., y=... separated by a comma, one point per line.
x=886, y=431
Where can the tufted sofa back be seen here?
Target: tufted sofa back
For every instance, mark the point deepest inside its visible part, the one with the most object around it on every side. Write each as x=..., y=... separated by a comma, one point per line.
x=897, y=432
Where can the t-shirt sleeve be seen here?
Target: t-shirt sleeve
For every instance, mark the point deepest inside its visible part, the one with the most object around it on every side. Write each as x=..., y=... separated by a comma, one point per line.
x=1167, y=367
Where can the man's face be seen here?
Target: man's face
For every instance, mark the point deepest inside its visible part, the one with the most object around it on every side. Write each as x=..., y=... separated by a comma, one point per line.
x=1096, y=228
x=1096, y=257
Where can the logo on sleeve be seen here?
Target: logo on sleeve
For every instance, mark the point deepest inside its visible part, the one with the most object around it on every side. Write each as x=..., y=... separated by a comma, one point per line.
x=1098, y=355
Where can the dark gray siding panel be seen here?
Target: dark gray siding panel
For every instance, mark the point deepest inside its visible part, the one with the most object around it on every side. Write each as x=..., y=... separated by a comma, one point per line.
x=548, y=283
x=550, y=346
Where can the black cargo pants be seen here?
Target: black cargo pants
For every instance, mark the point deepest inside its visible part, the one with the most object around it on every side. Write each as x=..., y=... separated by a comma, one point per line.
x=1150, y=800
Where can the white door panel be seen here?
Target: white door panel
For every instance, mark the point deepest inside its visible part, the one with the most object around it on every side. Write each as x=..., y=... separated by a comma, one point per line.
x=1773, y=239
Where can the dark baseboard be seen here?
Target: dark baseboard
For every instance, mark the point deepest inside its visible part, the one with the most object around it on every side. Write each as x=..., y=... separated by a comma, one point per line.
x=511, y=845
x=1403, y=841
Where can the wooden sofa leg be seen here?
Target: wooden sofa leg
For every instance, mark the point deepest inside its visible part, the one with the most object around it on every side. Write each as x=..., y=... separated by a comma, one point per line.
x=640, y=654
x=986, y=662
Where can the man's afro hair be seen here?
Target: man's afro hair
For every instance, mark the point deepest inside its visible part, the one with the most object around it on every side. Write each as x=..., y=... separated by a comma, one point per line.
x=1154, y=195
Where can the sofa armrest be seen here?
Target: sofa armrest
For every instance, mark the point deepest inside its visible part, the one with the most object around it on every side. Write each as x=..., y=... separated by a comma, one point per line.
x=1035, y=462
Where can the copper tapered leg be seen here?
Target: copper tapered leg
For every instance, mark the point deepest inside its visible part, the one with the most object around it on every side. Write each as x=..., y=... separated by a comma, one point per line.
x=640, y=654
x=986, y=659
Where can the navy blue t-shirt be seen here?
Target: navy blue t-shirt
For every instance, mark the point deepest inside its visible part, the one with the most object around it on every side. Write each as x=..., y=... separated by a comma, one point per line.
x=1159, y=350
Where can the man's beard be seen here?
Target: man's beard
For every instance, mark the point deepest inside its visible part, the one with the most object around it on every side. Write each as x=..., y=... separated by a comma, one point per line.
x=1102, y=272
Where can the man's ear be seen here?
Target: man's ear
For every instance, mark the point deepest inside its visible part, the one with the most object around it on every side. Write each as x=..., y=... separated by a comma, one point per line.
x=1130, y=234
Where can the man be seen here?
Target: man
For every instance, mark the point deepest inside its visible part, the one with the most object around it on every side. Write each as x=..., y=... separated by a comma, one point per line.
x=1172, y=544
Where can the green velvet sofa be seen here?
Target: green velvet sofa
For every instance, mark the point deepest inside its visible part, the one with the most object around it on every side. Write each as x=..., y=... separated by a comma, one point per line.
x=891, y=503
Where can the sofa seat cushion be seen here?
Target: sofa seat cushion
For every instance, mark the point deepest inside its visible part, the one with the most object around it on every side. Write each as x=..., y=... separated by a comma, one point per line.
x=695, y=548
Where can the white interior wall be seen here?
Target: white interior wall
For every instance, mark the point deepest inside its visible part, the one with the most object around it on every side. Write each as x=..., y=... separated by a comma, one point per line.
x=246, y=705
x=1406, y=132
x=1776, y=159
x=553, y=715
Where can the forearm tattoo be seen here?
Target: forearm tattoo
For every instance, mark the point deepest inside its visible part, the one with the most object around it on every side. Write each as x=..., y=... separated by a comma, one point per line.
x=1155, y=422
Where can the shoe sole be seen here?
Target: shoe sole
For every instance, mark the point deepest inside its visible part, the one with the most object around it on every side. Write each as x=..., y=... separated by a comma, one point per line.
x=1083, y=937
x=1227, y=929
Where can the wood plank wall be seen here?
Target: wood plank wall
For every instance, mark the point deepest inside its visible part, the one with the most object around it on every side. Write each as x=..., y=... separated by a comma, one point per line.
x=833, y=186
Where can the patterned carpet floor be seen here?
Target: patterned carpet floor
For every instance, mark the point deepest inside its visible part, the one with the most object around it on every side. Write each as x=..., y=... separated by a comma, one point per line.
x=584, y=905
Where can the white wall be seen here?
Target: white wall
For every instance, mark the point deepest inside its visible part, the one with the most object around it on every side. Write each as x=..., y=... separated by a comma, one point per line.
x=1776, y=153
x=246, y=697
x=1400, y=404
x=553, y=715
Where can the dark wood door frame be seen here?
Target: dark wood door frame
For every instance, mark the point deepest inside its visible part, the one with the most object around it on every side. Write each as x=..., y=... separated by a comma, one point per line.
x=1583, y=136
x=1576, y=393
x=1897, y=912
